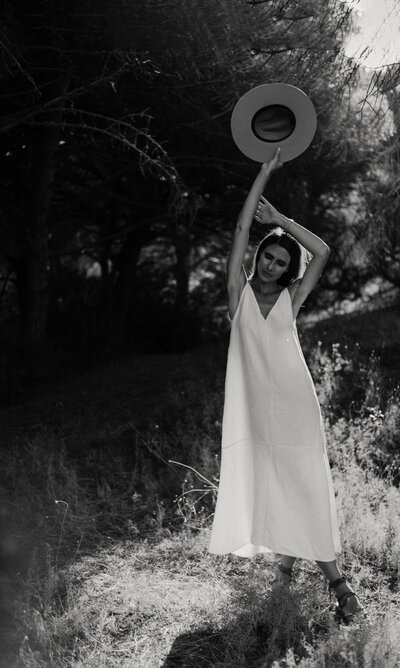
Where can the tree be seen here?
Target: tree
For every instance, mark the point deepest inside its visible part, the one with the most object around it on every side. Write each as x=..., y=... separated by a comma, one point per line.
x=60, y=67
x=128, y=108
x=207, y=55
x=382, y=196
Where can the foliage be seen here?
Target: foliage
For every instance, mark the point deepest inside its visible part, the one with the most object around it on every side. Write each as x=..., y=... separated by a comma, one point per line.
x=382, y=197
x=116, y=135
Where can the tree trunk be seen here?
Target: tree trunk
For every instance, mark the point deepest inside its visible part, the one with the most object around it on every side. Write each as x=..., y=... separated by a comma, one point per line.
x=33, y=274
x=124, y=284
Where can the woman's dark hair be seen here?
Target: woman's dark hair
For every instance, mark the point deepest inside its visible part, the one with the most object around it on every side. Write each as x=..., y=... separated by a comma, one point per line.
x=277, y=236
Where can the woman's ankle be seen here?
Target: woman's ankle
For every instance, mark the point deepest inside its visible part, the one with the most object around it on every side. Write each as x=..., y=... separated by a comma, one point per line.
x=338, y=583
x=342, y=588
x=286, y=561
x=285, y=571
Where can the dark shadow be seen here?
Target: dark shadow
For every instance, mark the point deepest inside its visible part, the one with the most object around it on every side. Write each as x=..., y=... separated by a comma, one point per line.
x=270, y=625
x=199, y=648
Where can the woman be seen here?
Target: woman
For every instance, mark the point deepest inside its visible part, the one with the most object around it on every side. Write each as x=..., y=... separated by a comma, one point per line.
x=275, y=492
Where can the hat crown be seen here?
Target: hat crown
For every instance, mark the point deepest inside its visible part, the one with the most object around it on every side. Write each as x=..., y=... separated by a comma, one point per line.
x=273, y=123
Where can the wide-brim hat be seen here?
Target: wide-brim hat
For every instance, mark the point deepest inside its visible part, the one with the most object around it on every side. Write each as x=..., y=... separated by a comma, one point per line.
x=271, y=116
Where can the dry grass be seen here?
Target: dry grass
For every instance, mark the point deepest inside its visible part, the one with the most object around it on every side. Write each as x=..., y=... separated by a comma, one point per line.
x=171, y=604
x=103, y=564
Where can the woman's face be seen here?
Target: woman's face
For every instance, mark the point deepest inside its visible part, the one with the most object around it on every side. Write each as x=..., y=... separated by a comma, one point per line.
x=273, y=262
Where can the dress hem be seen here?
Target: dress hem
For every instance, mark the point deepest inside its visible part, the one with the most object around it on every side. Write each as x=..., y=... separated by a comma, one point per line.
x=254, y=550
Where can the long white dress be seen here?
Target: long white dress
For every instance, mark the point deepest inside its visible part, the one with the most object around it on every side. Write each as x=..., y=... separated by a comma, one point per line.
x=275, y=492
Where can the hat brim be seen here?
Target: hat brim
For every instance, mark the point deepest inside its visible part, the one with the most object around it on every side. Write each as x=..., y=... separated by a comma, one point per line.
x=273, y=95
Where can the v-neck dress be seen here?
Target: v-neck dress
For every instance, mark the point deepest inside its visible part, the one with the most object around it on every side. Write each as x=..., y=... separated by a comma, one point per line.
x=275, y=490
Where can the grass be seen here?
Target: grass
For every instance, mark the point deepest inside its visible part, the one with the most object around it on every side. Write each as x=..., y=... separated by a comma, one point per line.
x=103, y=540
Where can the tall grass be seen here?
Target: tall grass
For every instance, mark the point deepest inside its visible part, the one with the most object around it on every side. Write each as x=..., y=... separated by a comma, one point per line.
x=104, y=545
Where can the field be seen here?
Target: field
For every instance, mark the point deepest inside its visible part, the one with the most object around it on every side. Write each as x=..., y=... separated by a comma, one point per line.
x=108, y=489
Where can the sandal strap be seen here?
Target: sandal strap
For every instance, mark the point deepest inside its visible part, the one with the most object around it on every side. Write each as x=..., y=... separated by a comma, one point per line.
x=342, y=600
x=337, y=582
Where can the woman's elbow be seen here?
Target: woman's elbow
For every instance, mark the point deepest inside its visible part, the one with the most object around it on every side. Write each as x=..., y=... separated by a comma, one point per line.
x=325, y=250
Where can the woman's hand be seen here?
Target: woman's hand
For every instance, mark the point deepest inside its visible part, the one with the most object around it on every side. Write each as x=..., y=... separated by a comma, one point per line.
x=273, y=164
x=266, y=213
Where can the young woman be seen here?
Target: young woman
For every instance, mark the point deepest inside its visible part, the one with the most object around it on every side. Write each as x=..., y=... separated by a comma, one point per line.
x=275, y=492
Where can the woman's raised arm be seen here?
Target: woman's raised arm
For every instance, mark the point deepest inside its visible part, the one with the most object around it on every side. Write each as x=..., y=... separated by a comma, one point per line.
x=267, y=213
x=236, y=277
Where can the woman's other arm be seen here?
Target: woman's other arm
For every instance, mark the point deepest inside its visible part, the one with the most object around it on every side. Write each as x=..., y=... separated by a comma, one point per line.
x=316, y=246
x=236, y=277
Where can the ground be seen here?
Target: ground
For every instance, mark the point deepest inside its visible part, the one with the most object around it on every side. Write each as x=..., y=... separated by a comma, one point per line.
x=105, y=563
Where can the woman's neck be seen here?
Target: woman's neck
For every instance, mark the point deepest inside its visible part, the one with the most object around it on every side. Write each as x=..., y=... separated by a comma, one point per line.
x=268, y=289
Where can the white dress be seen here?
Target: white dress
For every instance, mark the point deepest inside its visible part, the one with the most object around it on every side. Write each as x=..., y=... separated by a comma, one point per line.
x=275, y=492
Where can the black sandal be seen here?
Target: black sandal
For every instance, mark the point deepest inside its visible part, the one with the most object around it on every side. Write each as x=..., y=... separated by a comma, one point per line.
x=342, y=612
